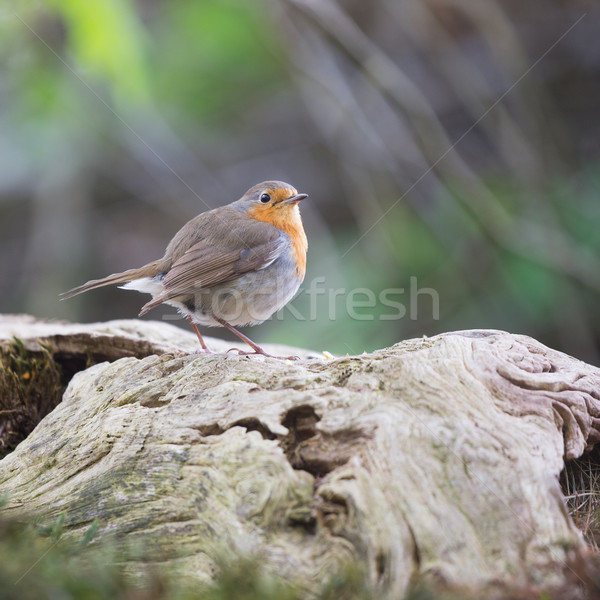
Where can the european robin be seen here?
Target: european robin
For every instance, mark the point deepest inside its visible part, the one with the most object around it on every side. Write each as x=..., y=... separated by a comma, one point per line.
x=231, y=266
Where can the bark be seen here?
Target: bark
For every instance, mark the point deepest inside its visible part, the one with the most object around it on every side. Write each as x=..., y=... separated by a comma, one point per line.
x=436, y=458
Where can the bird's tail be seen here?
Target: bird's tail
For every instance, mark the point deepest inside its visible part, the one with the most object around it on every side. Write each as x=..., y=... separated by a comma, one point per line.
x=149, y=270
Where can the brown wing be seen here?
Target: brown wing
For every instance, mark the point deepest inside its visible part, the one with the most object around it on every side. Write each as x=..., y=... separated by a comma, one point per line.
x=204, y=266
x=207, y=264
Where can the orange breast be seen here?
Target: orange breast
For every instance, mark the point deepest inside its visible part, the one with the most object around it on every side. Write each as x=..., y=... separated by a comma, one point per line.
x=286, y=218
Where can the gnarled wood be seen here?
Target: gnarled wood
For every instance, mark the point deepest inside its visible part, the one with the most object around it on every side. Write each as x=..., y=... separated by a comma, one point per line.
x=438, y=457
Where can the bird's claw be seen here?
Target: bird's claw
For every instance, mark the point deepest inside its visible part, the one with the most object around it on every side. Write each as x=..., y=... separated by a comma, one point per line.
x=201, y=351
x=240, y=352
x=262, y=353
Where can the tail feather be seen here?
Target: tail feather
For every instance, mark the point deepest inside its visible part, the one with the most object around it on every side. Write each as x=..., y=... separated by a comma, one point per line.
x=152, y=303
x=149, y=270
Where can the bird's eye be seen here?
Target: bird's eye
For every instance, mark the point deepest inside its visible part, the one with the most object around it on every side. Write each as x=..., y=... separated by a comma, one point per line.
x=265, y=198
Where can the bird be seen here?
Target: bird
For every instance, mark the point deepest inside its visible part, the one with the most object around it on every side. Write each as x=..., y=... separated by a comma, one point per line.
x=231, y=266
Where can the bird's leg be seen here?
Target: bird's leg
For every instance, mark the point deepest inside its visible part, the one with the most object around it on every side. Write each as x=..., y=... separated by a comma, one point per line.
x=202, y=342
x=257, y=349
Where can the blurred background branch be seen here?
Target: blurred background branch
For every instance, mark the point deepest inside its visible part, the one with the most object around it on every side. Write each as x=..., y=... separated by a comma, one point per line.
x=455, y=141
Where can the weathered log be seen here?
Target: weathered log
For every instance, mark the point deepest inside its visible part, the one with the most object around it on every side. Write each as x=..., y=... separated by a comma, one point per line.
x=434, y=458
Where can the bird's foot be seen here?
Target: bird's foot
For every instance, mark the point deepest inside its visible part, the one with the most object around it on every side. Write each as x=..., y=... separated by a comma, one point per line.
x=261, y=352
x=202, y=351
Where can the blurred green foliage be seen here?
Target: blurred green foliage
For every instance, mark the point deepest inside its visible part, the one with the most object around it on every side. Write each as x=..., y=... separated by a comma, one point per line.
x=38, y=562
x=432, y=140
x=108, y=40
x=216, y=53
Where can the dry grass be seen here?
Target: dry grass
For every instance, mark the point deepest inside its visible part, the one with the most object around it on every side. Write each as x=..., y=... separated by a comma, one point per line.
x=580, y=481
x=31, y=386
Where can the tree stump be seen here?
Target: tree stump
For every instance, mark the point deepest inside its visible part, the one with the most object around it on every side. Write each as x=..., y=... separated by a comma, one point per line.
x=437, y=458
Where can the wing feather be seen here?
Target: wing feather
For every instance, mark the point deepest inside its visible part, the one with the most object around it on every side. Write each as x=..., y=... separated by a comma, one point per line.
x=207, y=264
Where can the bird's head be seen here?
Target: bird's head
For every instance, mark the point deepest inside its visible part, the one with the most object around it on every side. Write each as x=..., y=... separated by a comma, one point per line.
x=273, y=202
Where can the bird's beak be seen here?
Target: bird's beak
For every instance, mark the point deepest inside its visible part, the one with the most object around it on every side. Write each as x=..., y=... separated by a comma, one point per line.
x=295, y=199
